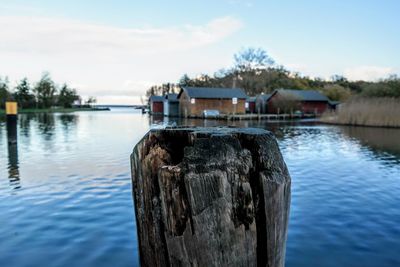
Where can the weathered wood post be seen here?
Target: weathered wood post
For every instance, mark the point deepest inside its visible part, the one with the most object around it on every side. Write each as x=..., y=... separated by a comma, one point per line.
x=210, y=197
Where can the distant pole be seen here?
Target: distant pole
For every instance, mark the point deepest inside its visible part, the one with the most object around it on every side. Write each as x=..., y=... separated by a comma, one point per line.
x=11, y=118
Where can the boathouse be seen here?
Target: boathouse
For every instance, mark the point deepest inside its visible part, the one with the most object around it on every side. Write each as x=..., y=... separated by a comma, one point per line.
x=261, y=105
x=309, y=101
x=156, y=104
x=194, y=101
x=171, y=105
x=251, y=104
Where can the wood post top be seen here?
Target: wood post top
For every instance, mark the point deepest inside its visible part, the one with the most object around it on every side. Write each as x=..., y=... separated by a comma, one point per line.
x=11, y=108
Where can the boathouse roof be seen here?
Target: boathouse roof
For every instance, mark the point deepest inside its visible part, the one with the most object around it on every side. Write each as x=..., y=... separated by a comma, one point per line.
x=304, y=95
x=171, y=97
x=156, y=98
x=264, y=97
x=210, y=93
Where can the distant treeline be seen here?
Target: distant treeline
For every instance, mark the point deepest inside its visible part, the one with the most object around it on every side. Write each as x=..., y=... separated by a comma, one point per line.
x=256, y=72
x=43, y=94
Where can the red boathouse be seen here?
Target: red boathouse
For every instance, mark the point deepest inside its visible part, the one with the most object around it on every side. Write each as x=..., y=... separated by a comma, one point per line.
x=309, y=101
x=156, y=104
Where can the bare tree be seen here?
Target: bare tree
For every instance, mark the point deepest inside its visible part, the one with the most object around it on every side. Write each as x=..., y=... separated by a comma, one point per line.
x=252, y=59
x=286, y=103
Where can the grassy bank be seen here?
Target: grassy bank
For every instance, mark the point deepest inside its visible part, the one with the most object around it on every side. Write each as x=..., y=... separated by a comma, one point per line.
x=377, y=112
x=54, y=110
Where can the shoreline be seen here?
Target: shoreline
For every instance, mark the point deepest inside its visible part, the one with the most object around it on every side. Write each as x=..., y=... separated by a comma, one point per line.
x=54, y=110
x=238, y=117
x=332, y=122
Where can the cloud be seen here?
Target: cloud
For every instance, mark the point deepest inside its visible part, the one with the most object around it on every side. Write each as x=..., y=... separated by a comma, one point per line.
x=49, y=36
x=307, y=70
x=246, y=3
x=298, y=67
x=8, y=8
x=368, y=73
x=103, y=60
x=127, y=88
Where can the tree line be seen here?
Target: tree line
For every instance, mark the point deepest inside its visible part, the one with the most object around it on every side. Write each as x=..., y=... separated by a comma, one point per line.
x=43, y=94
x=256, y=72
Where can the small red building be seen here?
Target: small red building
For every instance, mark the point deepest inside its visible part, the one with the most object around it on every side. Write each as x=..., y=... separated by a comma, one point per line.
x=306, y=101
x=251, y=105
x=156, y=104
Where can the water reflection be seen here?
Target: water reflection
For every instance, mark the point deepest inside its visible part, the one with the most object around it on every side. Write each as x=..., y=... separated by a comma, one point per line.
x=75, y=170
x=12, y=148
x=51, y=128
x=160, y=120
x=379, y=140
x=24, y=123
x=13, y=170
x=157, y=120
x=46, y=125
x=68, y=121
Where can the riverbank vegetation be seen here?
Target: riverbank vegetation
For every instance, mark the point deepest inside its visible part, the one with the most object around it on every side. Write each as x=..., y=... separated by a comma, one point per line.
x=369, y=103
x=44, y=95
x=256, y=72
x=367, y=111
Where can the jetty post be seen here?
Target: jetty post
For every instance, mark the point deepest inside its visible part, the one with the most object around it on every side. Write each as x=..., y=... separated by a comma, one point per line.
x=11, y=124
x=210, y=197
x=11, y=121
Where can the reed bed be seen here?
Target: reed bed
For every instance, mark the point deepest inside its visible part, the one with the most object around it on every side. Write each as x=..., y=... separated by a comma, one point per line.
x=378, y=112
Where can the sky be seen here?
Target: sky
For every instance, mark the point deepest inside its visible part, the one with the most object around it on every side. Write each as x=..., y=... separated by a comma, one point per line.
x=116, y=49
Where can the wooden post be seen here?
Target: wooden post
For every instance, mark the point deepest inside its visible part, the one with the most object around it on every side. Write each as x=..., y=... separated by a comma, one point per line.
x=11, y=118
x=11, y=122
x=210, y=197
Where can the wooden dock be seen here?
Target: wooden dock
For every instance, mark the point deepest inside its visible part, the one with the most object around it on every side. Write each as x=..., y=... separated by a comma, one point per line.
x=257, y=117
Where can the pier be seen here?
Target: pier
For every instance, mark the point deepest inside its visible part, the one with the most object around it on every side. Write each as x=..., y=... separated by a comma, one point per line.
x=231, y=117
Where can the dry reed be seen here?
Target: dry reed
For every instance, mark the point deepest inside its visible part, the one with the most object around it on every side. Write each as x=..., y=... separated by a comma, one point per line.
x=379, y=112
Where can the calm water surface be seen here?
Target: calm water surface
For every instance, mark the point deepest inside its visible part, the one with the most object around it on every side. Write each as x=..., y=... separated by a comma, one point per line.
x=65, y=191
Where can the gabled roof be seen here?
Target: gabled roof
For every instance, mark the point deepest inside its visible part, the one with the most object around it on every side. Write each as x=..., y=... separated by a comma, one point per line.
x=171, y=97
x=156, y=98
x=219, y=93
x=264, y=97
x=304, y=95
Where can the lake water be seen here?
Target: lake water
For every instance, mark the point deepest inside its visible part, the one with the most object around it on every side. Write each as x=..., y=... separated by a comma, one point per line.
x=65, y=191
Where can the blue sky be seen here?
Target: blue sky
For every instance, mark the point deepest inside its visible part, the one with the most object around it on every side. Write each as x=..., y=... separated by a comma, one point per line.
x=114, y=50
